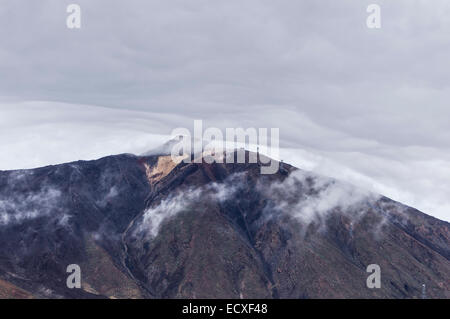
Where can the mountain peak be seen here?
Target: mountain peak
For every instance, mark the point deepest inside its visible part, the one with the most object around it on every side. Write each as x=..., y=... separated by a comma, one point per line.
x=149, y=227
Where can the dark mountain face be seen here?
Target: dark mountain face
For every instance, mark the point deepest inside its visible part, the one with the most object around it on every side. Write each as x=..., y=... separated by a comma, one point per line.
x=146, y=227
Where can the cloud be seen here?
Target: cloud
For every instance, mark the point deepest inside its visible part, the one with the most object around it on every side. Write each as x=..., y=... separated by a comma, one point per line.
x=32, y=205
x=416, y=176
x=307, y=197
x=153, y=217
x=34, y=134
x=317, y=59
x=311, y=198
x=185, y=200
x=111, y=194
x=368, y=104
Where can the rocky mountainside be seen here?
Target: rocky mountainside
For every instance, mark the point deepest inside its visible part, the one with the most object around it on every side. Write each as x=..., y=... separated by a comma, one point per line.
x=147, y=227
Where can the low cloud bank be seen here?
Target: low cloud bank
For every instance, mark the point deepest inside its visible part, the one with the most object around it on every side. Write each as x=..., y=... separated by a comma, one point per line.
x=35, y=134
x=311, y=198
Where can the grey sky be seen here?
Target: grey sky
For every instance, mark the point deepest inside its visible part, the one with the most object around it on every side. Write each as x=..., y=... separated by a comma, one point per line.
x=372, y=101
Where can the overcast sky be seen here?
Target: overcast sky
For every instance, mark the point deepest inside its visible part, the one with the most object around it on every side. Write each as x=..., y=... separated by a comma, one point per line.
x=370, y=106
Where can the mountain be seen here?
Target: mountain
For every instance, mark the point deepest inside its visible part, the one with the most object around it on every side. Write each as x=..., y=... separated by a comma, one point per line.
x=147, y=227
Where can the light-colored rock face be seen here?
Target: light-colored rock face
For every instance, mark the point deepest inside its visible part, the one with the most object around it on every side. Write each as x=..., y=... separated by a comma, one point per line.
x=162, y=168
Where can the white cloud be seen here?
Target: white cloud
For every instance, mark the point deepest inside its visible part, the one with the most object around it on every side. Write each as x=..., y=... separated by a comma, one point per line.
x=186, y=199
x=368, y=106
x=35, y=134
x=30, y=206
x=310, y=197
x=401, y=174
x=174, y=204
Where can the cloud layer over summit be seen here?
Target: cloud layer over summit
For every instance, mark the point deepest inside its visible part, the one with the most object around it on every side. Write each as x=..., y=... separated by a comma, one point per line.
x=370, y=106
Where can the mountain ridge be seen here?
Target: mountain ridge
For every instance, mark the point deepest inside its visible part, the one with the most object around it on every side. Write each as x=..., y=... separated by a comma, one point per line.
x=107, y=201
